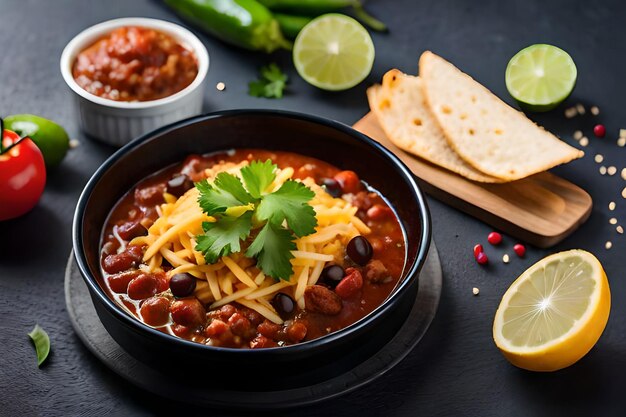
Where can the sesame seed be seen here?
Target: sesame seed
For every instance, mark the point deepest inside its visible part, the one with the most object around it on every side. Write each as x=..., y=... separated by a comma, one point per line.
x=624, y=192
x=505, y=258
x=611, y=170
x=619, y=229
x=612, y=205
x=570, y=112
x=621, y=142
x=613, y=220
x=584, y=141
x=220, y=86
x=74, y=143
x=623, y=173
x=580, y=109
x=598, y=158
x=475, y=291
x=608, y=245
x=622, y=133
x=595, y=110
x=602, y=170
x=578, y=134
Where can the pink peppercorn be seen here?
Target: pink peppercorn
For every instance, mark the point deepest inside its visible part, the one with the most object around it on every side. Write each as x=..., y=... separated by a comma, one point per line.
x=520, y=250
x=494, y=238
x=478, y=249
x=481, y=258
x=599, y=131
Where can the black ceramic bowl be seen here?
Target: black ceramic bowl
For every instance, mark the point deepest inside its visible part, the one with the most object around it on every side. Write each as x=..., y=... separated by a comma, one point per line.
x=258, y=369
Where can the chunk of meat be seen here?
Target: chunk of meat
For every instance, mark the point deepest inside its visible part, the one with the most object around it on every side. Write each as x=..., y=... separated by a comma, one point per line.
x=376, y=272
x=216, y=328
x=296, y=331
x=262, y=342
x=319, y=299
x=268, y=329
x=150, y=196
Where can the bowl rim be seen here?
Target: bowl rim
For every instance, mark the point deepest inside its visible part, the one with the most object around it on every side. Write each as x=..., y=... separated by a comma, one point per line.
x=91, y=34
x=412, y=273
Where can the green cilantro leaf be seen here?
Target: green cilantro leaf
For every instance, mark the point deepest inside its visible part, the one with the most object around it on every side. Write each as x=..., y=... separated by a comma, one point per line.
x=224, y=236
x=272, y=247
x=271, y=84
x=238, y=207
x=233, y=185
x=290, y=202
x=258, y=176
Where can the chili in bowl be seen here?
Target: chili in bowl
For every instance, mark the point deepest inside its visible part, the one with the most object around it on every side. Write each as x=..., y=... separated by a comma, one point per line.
x=132, y=75
x=148, y=238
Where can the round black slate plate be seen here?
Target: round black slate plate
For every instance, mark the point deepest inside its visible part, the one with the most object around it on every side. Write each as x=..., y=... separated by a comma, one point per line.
x=91, y=331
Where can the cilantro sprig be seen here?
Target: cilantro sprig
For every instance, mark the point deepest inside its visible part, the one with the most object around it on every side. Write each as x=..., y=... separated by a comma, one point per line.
x=245, y=209
x=271, y=83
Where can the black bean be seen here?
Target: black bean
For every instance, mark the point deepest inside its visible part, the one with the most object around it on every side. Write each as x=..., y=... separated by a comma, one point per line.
x=332, y=187
x=331, y=275
x=284, y=305
x=359, y=250
x=179, y=184
x=182, y=285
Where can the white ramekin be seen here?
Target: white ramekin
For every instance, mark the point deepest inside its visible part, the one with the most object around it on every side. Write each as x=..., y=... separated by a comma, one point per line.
x=118, y=122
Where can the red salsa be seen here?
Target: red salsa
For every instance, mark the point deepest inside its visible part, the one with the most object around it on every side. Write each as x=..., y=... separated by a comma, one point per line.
x=372, y=264
x=135, y=64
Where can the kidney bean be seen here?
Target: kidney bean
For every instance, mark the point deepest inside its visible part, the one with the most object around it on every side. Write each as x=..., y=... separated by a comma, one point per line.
x=349, y=181
x=375, y=271
x=150, y=196
x=319, y=299
x=155, y=311
x=239, y=324
x=351, y=284
x=119, y=282
x=118, y=262
x=268, y=329
x=226, y=311
x=216, y=328
x=181, y=331
x=142, y=287
x=188, y=312
x=130, y=230
x=260, y=342
x=379, y=212
x=296, y=332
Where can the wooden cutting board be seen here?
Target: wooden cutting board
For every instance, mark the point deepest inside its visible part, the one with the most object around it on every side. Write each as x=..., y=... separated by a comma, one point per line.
x=541, y=210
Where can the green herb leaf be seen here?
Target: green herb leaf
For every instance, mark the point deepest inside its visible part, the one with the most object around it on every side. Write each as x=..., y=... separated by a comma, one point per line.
x=42, y=343
x=271, y=83
x=258, y=176
x=238, y=206
x=233, y=185
x=290, y=202
x=272, y=247
x=214, y=199
x=224, y=236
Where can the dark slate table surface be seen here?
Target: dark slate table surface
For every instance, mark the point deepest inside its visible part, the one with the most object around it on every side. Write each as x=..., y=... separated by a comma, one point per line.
x=456, y=369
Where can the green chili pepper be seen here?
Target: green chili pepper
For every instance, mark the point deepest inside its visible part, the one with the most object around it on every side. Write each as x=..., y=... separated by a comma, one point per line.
x=291, y=25
x=244, y=23
x=318, y=7
x=307, y=7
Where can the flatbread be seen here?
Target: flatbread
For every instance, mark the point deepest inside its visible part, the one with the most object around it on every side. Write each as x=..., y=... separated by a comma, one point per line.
x=485, y=131
x=399, y=106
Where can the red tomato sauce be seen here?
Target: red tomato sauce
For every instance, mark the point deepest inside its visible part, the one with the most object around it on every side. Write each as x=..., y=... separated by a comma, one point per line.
x=234, y=325
x=135, y=64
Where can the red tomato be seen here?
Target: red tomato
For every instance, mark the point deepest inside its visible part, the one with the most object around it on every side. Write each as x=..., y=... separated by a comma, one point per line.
x=22, y=176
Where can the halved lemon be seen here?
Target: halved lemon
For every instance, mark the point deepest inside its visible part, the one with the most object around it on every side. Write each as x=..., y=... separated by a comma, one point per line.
x=554, y=313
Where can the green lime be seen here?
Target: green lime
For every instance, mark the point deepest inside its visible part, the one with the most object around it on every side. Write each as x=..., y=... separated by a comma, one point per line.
x=540, y=77
x=49, y=137
x=333, y=52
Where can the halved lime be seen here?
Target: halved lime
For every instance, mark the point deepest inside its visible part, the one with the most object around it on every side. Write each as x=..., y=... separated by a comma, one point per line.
x=333, y=52
x=540, y=77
